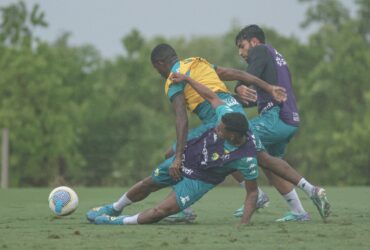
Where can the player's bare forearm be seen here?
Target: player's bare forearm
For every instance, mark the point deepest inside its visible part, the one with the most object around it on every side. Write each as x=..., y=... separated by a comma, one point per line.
x=181, y=124
x=250, y=201
x=202, y=90
x=228, y=74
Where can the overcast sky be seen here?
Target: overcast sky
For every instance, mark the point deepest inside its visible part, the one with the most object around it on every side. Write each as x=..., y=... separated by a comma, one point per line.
x=103, y=23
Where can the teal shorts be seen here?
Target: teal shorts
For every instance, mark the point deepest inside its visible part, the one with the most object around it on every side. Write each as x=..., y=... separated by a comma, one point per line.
x=161, y=175
x=272, y=131
x=257, y=140
x=189, y=191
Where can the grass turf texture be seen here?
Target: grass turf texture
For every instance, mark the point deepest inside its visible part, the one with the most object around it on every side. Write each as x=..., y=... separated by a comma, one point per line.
x=27, y=223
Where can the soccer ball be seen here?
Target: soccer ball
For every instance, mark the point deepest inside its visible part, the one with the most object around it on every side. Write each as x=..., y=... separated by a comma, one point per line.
x=63, y=201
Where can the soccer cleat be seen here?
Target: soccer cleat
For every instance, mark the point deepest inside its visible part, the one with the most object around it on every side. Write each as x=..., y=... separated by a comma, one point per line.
x=109, y=220
x=321, y=202
x=98, y=211
x=239, y=212
x=262, y=201
x=182, y=216
x=294, y=217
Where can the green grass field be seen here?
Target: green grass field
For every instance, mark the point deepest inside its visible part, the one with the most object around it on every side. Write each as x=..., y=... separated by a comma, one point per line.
x=27, y=223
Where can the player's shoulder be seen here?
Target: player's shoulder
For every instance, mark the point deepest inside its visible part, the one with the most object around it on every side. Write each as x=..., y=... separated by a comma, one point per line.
x=188, y=60
x=259, y=49
x=222, y=110
x=175, y=68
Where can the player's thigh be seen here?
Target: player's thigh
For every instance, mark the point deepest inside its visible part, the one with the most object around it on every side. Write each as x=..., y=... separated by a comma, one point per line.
x=271, y=129
x=188, y=191
x=280, y=138
x=277, y=150
x=263, y=127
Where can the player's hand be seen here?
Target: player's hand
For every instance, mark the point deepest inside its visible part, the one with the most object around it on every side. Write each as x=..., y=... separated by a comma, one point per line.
x=246, y=94
x=242, y=225
x=279, y=93
x=175, y=169
x=177, y=77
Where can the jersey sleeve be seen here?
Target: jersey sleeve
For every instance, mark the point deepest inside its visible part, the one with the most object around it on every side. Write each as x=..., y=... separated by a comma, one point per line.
x=247, y=166
x=257, y=60
x=177, y=88
x=174, y=90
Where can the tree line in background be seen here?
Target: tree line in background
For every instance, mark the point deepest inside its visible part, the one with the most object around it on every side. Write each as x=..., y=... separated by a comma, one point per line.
x=76, y=117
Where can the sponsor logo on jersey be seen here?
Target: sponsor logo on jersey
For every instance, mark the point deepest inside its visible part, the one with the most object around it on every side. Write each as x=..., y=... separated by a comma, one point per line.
x=214, y=137
x=187, y=170
x=215, y=156
x=280, y=59
x=229, y=102
x=295, y=117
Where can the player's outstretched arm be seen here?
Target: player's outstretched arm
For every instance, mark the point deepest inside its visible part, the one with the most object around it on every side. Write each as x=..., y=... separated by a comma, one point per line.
x=179, y=107
x=229, y=74
x=250, y=201
x=203, y=91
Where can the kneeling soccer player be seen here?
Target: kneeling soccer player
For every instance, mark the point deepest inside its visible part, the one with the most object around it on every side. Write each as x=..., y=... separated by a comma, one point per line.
x=207, y=160
x=161, y=178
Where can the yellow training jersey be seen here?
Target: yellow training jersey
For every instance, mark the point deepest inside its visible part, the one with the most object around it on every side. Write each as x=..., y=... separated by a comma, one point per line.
x=201, y=71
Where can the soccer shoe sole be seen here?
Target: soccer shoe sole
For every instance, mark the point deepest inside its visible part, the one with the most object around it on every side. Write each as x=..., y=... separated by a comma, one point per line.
x=322, y=204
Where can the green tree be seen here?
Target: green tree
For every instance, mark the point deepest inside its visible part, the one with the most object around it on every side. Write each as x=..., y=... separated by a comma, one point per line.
x=334, y=99
x=38, y=100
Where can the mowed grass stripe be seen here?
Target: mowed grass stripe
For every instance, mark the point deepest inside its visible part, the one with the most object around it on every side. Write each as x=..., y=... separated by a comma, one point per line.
x=27, y=223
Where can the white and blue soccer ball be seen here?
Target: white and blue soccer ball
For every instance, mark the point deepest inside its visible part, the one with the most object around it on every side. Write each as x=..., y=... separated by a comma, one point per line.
x=63, y=201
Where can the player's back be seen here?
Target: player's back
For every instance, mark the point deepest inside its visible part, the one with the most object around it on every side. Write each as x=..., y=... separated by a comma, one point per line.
x=201, y=71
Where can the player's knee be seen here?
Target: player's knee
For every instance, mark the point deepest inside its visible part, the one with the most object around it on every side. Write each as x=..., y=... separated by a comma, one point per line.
x=264, y=159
